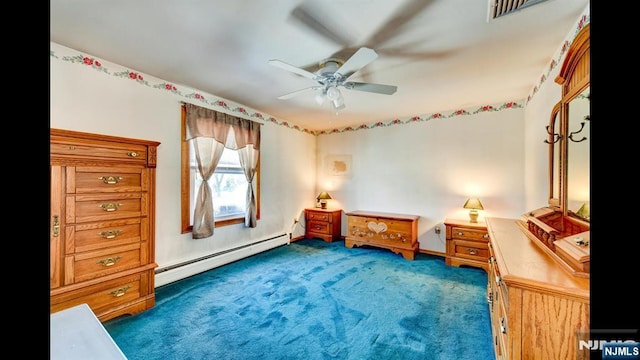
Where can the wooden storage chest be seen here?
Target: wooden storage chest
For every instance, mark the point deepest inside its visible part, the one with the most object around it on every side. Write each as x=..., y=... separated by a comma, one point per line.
x=396, y=232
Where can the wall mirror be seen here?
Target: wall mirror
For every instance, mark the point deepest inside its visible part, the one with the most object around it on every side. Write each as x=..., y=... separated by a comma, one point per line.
x=578, y=138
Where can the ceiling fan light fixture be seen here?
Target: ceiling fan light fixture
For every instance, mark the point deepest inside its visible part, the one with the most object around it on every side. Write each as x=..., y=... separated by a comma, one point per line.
x=319, y=98
x=338, y=103
x=333, y=93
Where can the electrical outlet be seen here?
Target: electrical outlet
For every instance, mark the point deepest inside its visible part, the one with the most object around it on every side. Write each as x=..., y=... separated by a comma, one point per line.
x=295, y=221
x=437, y=229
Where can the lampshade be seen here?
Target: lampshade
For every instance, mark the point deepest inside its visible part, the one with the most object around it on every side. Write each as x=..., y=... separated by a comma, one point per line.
x=584, y=211
x=324, y=196
x=473, y=203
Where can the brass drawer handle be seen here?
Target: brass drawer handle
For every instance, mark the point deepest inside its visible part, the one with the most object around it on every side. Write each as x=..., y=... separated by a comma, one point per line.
x=111, y=180
x=318, y=227
x=109, y=261
x=110, y=206
x=120, y=292
x=110, y=234
x=472, y=251
x=460, y=233
x=56, y=225
x=485, y=236
x=133, y=154
x=503, y=329
x=490, y=299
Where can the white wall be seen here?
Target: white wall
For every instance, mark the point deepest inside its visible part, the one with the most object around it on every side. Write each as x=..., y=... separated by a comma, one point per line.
x=430, y=168
x=95, y=99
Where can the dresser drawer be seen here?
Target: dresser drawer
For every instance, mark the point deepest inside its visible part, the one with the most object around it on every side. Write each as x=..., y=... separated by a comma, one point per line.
x=94, y=236
x=471, y=249
x=108, y=294
x=101, y=207
x=129, y=153
x=106, y=179
x=91, y=265
x=469, y=234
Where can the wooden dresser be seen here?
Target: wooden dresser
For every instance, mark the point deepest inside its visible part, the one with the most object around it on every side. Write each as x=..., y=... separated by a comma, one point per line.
x=396, y=232
x=538, y=309
x=325, y=224
x=467, y=243
x=102, y=223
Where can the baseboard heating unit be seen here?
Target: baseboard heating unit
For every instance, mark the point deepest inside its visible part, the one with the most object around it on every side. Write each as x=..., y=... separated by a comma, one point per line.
x=169, y=274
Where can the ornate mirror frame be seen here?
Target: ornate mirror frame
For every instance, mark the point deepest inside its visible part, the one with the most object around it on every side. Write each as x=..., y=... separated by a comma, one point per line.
x=554, y=156
x=574, y=77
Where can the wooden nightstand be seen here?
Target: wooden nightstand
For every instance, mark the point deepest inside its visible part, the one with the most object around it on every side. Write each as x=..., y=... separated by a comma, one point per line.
x=323, y=223
x=467, y=243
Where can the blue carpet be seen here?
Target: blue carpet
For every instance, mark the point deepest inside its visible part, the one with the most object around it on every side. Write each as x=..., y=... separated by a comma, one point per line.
x=316, y=300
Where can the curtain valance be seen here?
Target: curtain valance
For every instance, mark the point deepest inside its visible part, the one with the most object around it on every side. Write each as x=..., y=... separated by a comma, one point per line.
x=203, y=122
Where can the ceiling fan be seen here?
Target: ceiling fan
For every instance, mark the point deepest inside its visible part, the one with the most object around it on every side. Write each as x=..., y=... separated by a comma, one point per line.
x=334, y=73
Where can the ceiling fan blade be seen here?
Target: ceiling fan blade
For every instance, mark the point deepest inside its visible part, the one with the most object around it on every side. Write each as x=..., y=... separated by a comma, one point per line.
x=283, y=65
x=314, y=18
x=298, y=92
x=371, y=87
x=360, y=59
x=397, y=22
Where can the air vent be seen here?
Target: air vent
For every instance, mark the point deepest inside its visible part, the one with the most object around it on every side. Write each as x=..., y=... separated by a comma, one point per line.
x=499, y=8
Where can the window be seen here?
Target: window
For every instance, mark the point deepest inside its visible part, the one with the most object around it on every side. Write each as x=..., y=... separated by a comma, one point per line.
x=228, y=186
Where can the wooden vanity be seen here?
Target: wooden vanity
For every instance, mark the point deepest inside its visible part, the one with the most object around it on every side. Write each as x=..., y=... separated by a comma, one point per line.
x=538, y=310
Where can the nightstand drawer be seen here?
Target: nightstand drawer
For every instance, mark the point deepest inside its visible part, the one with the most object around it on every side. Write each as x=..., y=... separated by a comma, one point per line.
x=318, y=216
x=471, y=249
x=469, y=234
x=319, y=227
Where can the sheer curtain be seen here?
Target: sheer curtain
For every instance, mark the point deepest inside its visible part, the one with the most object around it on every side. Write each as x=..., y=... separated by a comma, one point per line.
x=209, y=132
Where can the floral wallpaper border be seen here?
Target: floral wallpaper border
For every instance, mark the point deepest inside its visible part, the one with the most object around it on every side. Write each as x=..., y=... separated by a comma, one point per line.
x=582, y=22
x=193, y=96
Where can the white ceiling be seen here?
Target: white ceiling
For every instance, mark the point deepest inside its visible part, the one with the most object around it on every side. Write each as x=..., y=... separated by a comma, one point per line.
x=442, y=54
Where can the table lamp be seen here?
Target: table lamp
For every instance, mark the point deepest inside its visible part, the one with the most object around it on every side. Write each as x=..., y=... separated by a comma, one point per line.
x=474, y=204
x=323, y=197
x=584, y=211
